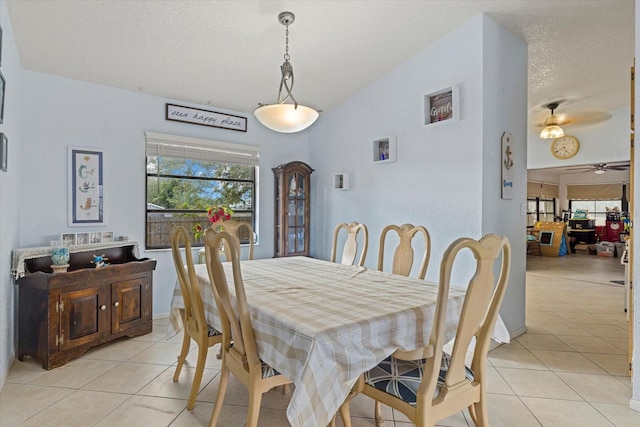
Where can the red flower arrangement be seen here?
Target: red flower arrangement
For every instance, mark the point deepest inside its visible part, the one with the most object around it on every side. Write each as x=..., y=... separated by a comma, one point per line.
x=215, y=214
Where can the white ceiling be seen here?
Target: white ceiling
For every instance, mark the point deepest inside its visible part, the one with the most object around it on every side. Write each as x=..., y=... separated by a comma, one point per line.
x=228, y=53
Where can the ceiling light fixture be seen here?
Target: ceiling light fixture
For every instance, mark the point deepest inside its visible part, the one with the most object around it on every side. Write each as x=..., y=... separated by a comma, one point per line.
x=599, y=171
x=552, y=130
x=283, y=117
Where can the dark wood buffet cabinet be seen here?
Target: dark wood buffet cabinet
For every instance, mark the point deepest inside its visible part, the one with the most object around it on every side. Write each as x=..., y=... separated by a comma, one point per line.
x=62, y=315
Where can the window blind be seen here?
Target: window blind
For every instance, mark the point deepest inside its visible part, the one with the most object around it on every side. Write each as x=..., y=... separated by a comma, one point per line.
x=184, y=147
x=594, y=192
x=542, y=190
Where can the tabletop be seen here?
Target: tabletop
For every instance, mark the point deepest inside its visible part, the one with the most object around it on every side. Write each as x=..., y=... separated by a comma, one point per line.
x=323, y=324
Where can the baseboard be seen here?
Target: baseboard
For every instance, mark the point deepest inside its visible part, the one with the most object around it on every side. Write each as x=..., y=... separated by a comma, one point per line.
x=5, y=374
x=635, y=405
x=158, y=316
x=518, y=332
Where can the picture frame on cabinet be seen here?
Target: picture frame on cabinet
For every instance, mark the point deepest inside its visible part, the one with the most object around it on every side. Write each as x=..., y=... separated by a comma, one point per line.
x=95, y=237
x=68, y=239
x=4, y=152
x=107, y=236
x=82, y=238
x=86, y=187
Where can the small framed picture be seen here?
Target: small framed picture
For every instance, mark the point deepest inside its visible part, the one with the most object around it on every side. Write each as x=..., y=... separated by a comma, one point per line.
x=107, y=236
x=4, y=151
x=68, y=239
x=442, y=105
x=82, y=238
x=95, y=237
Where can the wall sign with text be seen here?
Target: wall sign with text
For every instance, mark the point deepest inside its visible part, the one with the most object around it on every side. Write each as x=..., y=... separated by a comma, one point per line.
x=214, y=119
x=441, y=106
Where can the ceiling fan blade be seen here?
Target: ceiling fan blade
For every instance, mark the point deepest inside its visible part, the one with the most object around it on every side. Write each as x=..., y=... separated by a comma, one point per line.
x=617, y=168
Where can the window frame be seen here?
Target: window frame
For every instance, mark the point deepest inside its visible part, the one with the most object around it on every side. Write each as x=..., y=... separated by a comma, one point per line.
x=194, y=149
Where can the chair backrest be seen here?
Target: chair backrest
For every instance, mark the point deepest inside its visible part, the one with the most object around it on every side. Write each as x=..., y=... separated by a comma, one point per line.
x=236, y=229
x=193, y=309
x=403, y=255
x=350, y=249
x=234, y=313
x=479, y=312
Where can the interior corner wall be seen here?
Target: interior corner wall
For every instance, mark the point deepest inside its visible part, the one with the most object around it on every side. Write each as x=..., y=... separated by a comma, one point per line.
x=10, y=196
x=504, y=109
x=437, y=179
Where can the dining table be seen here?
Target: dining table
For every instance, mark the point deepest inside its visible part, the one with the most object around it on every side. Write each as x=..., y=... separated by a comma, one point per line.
x=324, y=324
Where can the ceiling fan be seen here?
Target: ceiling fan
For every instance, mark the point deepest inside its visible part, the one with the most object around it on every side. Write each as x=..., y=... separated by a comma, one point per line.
x=600, y=168
x=577, y=118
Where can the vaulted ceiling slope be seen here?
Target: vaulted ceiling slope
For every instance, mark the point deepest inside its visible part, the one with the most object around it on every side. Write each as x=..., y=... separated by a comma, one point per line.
x=228, y=53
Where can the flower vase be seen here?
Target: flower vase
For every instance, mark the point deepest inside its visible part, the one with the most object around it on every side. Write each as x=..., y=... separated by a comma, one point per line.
x=59, y=256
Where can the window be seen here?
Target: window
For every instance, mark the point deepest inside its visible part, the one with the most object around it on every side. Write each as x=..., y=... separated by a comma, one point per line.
x=596, y=209
x=185, y=175
x=540, y=210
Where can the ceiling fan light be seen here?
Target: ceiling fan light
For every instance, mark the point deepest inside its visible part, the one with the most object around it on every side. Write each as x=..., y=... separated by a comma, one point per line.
x=550, y=132
x=599, y=171
x=286, y=118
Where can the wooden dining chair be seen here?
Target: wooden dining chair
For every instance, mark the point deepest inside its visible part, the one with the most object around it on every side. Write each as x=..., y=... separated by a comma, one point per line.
x=241, y=230
x=428, y=384
x=195, y=325
x=403, y=255
x=241, y=358
x=350, y=249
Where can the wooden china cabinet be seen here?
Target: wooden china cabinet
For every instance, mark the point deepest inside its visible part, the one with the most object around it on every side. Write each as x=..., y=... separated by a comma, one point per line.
x=292, y=186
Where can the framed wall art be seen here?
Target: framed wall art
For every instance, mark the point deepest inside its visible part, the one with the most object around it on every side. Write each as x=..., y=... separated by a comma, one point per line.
x=442, y=105
x=197, y=116
x=86, y=187
x=2, y=89
x=506, y=181
x=4, y=152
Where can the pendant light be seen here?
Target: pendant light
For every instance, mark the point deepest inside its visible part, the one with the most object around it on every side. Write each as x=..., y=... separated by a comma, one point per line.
x=552, y=130
x=281, y=116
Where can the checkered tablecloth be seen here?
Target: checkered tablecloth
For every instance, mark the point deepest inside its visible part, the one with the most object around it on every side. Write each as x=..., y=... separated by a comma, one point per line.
x=323, y=324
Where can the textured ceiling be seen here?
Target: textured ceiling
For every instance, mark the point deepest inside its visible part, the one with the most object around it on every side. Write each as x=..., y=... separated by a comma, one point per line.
x=228, y=53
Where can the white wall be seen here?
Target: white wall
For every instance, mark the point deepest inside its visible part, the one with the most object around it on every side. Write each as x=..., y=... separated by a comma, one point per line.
x=10, y=196
x=74, y=113
x=442, y=170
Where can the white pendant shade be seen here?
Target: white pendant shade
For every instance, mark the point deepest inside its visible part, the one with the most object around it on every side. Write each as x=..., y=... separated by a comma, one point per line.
x=286, y=118
x=551, y=132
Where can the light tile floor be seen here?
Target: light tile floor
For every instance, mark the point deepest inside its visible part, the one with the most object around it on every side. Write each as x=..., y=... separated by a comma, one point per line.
x=569, y=369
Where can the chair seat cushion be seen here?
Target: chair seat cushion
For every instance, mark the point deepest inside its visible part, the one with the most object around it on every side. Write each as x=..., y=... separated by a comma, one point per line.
x=402, y=378
x=211, y=331
x=268, y=371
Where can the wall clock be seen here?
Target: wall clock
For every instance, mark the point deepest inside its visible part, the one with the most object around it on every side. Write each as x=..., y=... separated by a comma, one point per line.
x=565, y=147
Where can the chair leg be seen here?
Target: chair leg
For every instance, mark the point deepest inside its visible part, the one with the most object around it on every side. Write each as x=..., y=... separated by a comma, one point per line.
x=197, y=377
x=186, y=343
x=377, y=414
x=255, y=397
x=480, y=415
x=222, y=390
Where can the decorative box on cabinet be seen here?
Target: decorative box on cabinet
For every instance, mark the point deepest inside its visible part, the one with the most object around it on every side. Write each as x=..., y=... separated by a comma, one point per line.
x=292, y=207
x=62, y=315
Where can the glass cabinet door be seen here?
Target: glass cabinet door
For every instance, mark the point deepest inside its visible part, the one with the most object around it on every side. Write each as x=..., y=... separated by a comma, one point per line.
x=292, y=210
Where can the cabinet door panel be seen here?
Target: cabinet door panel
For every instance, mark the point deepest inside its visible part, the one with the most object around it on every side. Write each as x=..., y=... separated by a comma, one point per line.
x=131, y=303
x=82, y=316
